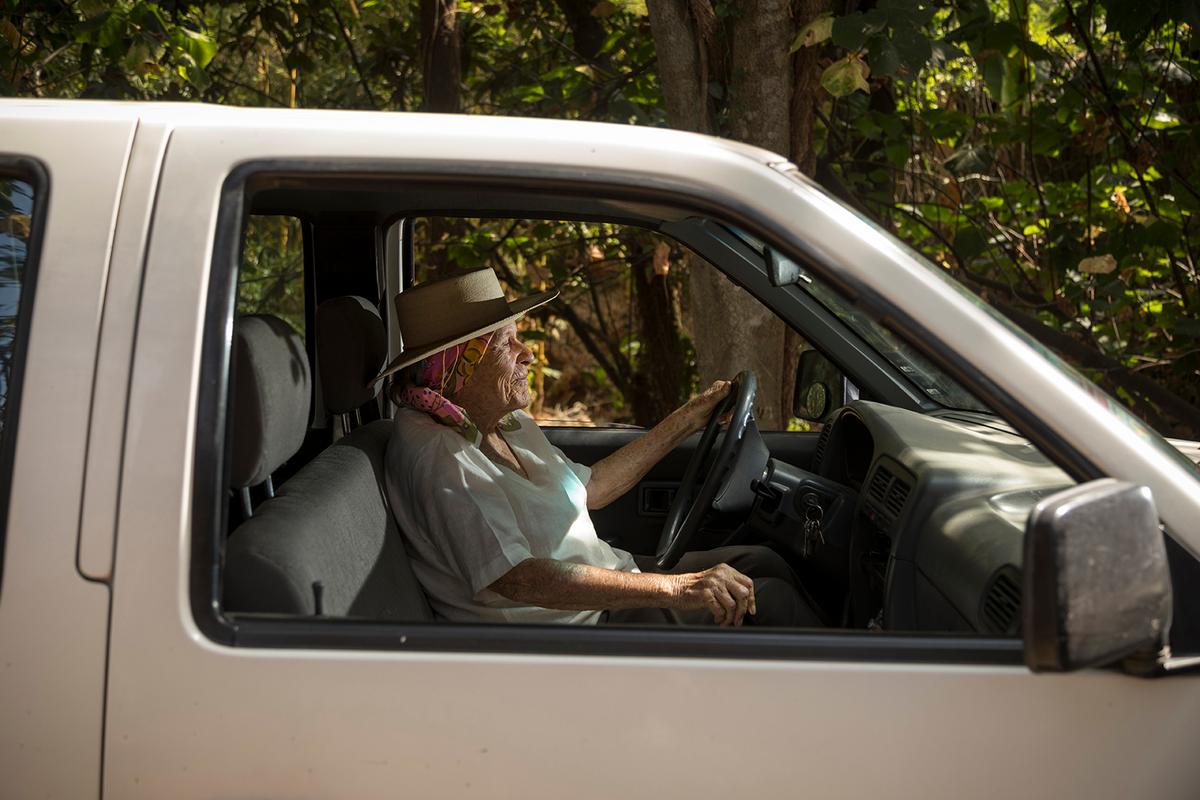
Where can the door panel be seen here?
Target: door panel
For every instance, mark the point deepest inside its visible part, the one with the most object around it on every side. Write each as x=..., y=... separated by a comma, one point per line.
x=627, y=522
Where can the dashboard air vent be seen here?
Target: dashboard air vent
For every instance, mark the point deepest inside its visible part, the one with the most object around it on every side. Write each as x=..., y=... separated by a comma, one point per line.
x=819, y=453
x=896, y=496
x=1001, y=611
x=879, y=484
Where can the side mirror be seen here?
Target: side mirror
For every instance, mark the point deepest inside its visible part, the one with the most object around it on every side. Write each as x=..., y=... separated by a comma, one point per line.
x=820, y=387
x=1096, y=584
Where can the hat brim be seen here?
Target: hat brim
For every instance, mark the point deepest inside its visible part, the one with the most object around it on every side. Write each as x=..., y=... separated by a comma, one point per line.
x=519, y=308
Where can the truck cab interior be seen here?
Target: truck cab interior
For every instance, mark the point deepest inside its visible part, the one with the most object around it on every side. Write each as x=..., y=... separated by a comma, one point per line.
x=918, y=493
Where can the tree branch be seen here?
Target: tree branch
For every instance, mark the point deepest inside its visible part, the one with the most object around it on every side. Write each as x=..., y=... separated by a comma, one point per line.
x=353, y=55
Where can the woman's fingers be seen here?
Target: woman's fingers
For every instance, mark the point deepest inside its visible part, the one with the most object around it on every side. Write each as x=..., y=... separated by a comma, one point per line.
x=700, y=407
x=714, y=606
x=728, y=605
x=741, y=596
x=726, y=593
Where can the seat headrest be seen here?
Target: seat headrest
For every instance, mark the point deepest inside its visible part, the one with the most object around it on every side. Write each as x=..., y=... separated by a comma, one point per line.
x=351, y=349
x=272, y=391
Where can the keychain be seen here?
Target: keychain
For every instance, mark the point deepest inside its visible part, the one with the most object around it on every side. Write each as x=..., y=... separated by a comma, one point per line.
x=813, y=535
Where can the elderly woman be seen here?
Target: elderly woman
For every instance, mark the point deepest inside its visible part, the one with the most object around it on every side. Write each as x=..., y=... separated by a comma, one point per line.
x=496, y=518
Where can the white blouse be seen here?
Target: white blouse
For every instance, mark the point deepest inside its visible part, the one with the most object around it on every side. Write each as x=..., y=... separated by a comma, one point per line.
x=467, y=521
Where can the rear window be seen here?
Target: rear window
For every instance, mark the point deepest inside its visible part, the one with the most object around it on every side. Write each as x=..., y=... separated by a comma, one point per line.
x=18, y=240
x=16, y=221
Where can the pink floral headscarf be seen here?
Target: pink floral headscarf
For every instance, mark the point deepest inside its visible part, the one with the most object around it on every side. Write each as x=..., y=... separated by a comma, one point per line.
x=445, y=373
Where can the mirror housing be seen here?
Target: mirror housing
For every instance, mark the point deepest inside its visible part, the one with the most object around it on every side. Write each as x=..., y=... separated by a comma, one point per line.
x=781, y=271
x=1096, y=583
x=820, y=388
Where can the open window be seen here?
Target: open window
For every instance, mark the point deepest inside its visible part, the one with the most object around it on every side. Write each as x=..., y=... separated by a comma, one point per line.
x=913, y=545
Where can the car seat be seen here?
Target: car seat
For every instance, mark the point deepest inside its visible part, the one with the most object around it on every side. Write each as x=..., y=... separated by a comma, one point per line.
x=326, y=544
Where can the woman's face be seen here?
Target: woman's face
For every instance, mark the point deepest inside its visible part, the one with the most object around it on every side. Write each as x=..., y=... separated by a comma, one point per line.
x=501, y=380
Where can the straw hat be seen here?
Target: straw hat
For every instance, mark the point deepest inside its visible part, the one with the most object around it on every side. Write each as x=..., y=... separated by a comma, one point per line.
x=443, y=313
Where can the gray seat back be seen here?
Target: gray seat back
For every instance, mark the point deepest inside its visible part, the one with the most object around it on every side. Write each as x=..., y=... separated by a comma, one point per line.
x=327, y=543
x=271, y=397
x=351, y=348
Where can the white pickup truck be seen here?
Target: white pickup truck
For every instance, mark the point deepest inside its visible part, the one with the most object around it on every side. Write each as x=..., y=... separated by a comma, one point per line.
x=204, y=593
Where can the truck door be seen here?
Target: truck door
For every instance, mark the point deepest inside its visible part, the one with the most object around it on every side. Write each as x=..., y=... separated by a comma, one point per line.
x=201, y=705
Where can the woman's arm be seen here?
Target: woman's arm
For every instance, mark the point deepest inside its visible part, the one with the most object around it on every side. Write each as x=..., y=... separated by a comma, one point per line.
x=616, y=474
x=543, y=582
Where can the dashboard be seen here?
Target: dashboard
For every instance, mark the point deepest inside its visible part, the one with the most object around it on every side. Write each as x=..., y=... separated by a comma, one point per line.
x=935, y=518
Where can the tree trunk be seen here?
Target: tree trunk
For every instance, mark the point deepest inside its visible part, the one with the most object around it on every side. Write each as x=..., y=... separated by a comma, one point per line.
x=440, y=54
x=806, y=93
x=659, y=382
x=745, y=59
x=681, y=65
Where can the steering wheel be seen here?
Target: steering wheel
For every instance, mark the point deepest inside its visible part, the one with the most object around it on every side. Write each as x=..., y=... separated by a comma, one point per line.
x=705, y=477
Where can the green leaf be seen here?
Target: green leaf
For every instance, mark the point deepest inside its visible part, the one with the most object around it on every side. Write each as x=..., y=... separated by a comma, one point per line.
x=1034, y=51
x=944, y=51
x=152, y=21
x=913, y=48
x=883, y=57
x=1161, y=120
x=969, y=242
x=86, y=31
x=111, y=32
x=866, y=126
x=466, y=257
x=530, y=93
x=1164, y=234
x=991, y=69
x=906, y=12
x=968, y=161
x=898, y=152
x=844, y=76
x=852, y=30
x=1132, y=20
x=891, y=124
x=1004, y=37
x=199, y=46
x=813, y=33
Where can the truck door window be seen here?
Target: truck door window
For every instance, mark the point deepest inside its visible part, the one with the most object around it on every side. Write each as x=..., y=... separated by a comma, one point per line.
x=321, y=558
x=19, y=221
x=620, y=347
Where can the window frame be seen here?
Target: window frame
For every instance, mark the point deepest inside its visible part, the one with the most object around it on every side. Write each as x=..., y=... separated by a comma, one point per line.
x=34, y=173
x=213, y=454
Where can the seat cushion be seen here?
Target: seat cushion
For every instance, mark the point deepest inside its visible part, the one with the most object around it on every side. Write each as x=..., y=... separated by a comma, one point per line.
x=328, y=524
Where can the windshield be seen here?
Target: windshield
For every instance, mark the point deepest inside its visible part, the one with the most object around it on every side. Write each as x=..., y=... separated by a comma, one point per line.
x=955, y=396
x=933, y=383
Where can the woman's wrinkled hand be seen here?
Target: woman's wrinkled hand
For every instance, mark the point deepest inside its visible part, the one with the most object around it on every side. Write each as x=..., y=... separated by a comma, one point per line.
x=700, y=407
x=726, y=593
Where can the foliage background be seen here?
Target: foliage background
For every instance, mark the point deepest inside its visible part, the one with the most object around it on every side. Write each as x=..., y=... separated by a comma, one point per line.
x=1042, y=152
